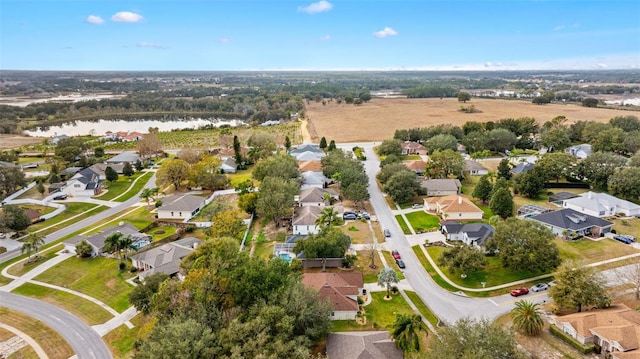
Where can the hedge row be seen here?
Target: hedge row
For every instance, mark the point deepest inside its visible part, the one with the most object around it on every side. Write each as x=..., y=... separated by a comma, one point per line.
x=582, y=348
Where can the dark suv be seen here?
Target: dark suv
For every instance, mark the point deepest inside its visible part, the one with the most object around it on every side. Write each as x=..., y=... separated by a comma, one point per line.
x=349, y=215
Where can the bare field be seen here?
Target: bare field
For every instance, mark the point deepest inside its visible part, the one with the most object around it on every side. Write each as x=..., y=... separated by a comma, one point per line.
x=378, y=119
x=15, y=141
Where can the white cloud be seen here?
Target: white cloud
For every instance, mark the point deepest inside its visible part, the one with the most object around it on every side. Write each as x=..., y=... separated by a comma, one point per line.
x=325, y=38
x=559, y=27
x=150, y=44
x=387, y=31
x=126, y=16
x=316, y=7
x=93, y=19
x=224, y=40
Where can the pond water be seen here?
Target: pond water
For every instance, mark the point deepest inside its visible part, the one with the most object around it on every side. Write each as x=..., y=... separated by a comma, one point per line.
x=100, y=127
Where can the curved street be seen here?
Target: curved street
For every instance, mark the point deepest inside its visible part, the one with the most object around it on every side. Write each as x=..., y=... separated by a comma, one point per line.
x=85, y=341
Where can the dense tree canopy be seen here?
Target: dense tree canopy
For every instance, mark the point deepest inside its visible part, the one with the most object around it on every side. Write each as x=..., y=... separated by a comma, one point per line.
x=441, y=142
x=282, y=166
x=444, y=164
x=597, y=168
x=577, y=286
x=11, y=178
x=12, y=217
x=501, y=202
x=402, y=186
x=275, y=198
x=173, y=172
x=625, y=183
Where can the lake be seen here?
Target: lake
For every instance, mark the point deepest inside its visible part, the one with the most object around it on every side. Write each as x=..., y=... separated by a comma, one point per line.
x=100, y=127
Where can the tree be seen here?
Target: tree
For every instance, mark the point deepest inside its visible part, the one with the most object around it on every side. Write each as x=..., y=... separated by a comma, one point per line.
x=527, y=318
x=530, y=183
x=328, y=216
x=177, y=338
x=471, y=339
x=541, y=100
x=84, y=249
x=389, y=170
x=98, y=151
x=206, y=174
x=149, y=145
x=500, y=140
x=323, y=143
x=329, y=242
x=555, y=164
x=287, y=143
x=556, y=138
x=275, y=197
x=263, y=142
x=577, y=286
x=282, y=166
x=635, y=160
x=590, y=102
x=227, y=224
x=142, y=295
x=35, y=240
x=442, y=142
x=237, y=150
x=385, y=278
x=248, y=201
x=501, y=203
x=189, y=155
x=464, y=97
x=483, y=189
x=127, y=169
x=27, y=247
x=625, y=182
x=475, y=141
x=14, y=218
x=126, y=245
x=111, y=174
x=147, y=194
x=402, y=186
x=472, y=126
x=443, y=164
x=525, y=245
x=626, y=123
x=597, y=168
x=611, y=139
x=463, y=257
x=173, y=172
x=41, y=188
x=390, y=147
x=406, y=330
x=139, y=166
x=112, y=244
x=70, y=148
x=504, y=170
x=11, y=178
x=332, y=146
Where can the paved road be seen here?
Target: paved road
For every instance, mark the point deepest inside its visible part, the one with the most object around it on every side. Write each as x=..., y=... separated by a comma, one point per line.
x=448, y=306
x=85, y=341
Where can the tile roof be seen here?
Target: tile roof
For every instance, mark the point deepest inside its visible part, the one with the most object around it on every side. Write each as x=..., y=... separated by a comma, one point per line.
x=454, y=203
x=569, y=219
x=181, y=202
x=336, y=287
x=412, y=145
x=311, y=165
x=416, y=165
x=306, y=215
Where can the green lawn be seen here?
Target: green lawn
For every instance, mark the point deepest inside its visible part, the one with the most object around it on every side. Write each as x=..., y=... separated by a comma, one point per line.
x=73, y=209
x=163, y=232
x=139, y=217
x=593, y=251
x=426, y=312
x=403, y=224
x=23, y=267
x=119, y=188
x=239, y=177
x=88, y=311
x=381, y=314
x=422, y=221
x=98, y=277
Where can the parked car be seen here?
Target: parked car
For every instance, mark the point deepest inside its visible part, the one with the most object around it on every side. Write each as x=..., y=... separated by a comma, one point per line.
x=400, y=263
x=349, y=216
x=387, y=233
x=416, y=206
x=395, y=254
x=60, y=197
x=624, y=238
x=540, y=287
x=365, y=215
x=519, y=291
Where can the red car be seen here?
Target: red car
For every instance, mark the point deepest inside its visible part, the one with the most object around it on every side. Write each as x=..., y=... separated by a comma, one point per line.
x=395, y=254
x=519, y=291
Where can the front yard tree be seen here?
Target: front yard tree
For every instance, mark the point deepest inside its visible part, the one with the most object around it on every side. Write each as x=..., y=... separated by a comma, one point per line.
x=441, y=142
x=406, y=332
x=501, y=203
x=475, y=141
x=577, y=286
x=11, y=178
x=525, y=245
x=385, y=278
x=142, y=295
x=127, y=169
x=323, y=143
x=35, y=241
x=444, y=164
x=389, y=170
x=173, y=172
x=14, y=218
x=462, y=257
x=464, y=96
x=483, y=189
x=597, y=168
x=178, y=338
x=328, y=217
x=287, y=143
x=147, y=194
x=500, y=140
x=275, y=197
x=111, y=174
x=206, y=174
x=150, y=144
x=402, y=186
x=330, y=242
x=527, y=317
x=282, y=166
x=390, y=147
x=332, y=146
x=504, y=169
x=84, y=249
x=556, y=138
x=625, y=182
x=139, y=166
x=530, y=183
x=471, y=339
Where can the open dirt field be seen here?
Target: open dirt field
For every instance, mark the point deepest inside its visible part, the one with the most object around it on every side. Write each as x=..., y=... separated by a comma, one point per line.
x=378, y=119
x=15, y=141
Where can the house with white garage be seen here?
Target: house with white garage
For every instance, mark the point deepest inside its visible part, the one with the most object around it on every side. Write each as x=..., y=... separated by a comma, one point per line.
x=307, y=152
x=101, y=168
x=453, y=207
x=229, y=165
x=581, y=151
x=474, y=168
x=165, y=258
x=601, y=205
x=571, y=224
x=312, y=179
x=304, y=220
x=471, y=234
x=84, y=183
x=341, y=289
x=180, y=206
x=96, y=241
x=124, y=157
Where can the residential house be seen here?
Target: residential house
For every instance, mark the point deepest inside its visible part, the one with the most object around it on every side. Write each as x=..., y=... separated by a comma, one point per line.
x=567, y=222
x=34, y=216
x=314, y=196
x=305, y=166
x=615, y=330
x=69, y=172
x=270, y=123
x=370, y=345
x=124, y=136
x=413, y=148
x=580, y=151
x=229, y=165
x=341, y=289
x=84, y=183
x=225, y=153
x=453, y=207
x=313, y=179
x=126, y=156
x=101, y=168
x=472, y=234
x=55, y=187
x=6, y=164
x=304, y=220
x=96, y=241
x=307, y=152
x=56, y=139
x=601, y=205
x=474, y=168
x=165, y=258
x=441, y=186
x=180, y=206
x=417, y=166
x=522, y=167
x=560, y=197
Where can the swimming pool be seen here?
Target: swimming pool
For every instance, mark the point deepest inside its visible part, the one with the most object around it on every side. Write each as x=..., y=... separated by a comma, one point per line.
x=286, y=256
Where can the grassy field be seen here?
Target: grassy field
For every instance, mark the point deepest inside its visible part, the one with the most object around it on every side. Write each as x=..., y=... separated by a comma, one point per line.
x=23, y=267
x=118, y=190
x=593, y=251
x=239, y=177
x=51, y=342
x=422, y=221
x=139, y=217
x=380, y=314
x=98, y=277
x=426, y=312
x=403, y=224
x=73, y=209
x=378, y=119
x=627, y=226
x=88, y=311
x=24, y=353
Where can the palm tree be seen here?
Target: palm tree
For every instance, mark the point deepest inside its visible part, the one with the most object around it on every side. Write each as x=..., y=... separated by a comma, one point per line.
x=405, y=332
x=147, y=194
x=328, y=216
x=254, y=154
x=27, y=247
x=126, y=244
x=326, y=198
x=36, y=241
x=112, y=243
x=527, y=317
x=386, y=277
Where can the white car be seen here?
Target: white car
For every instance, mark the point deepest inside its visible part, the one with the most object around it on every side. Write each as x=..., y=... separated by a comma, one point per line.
x=540, y=287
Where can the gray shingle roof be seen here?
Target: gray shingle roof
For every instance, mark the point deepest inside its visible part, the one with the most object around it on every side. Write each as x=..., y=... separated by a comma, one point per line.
x=167, y=257
x=356, y=345
x=181, y=202
x=442, y=184
x=570, y=219
x=126, y=156
x=97, y=240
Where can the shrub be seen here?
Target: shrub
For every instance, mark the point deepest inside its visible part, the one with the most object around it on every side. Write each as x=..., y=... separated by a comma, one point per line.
x=83, y=249
x=3, y=249
x=582, y=348
x=394, y=290
x=158, y=203
x=122, y=265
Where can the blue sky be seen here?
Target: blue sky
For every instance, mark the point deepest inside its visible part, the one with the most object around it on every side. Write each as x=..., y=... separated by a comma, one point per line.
x=319, y=35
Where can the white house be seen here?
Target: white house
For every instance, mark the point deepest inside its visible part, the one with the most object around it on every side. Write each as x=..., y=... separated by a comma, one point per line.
x=567, y=222
x=474, y=168
x=304, y=220
x=601, y=205
x=312, y=179
x=453, y=207
x=126, y=156
x=180, y=206
x=580, y=151
x=472, y=234
x=229, y=165
x=84, y=183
